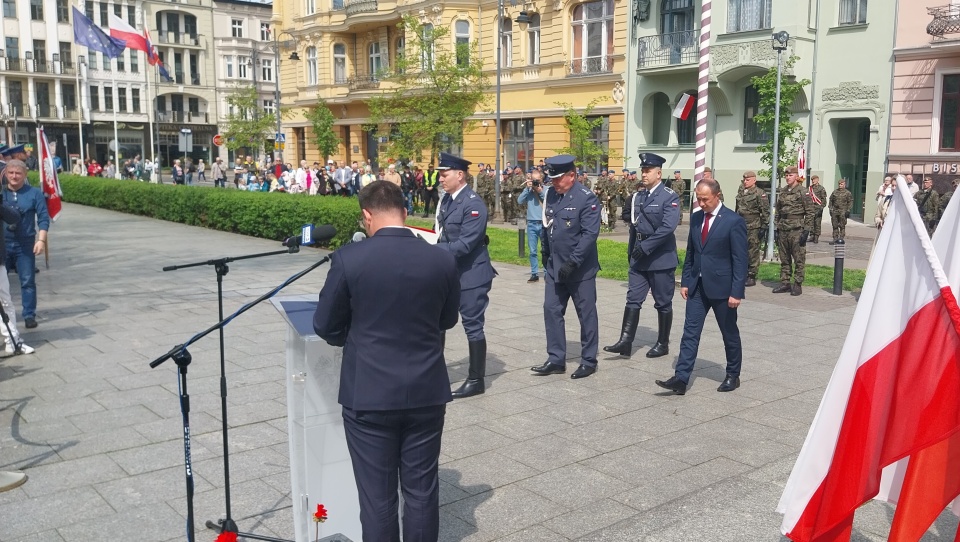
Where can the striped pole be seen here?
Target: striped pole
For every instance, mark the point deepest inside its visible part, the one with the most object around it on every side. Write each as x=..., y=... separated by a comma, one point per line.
x=703, y=82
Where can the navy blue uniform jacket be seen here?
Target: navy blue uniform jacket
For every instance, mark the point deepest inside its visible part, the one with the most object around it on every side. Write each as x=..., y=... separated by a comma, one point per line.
x=572, y=234
x=720, y=265
x=386, y=301
x=464, y=232
x=662, y=210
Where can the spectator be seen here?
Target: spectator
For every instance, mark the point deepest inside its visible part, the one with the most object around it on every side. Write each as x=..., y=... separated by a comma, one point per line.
x=430, y=195
x=94, y=169
x=31, y=161
x=303, y=178
x=177, y=172
x=219, y=176
x=78, y=167
x=355, y=178
x=237, y=173
x=110, y=170
x=392, y=175
x=532, y=197
x=201, y=168
x=29, y=238
x=912, y=185
x=188, y=169
x=367, y=177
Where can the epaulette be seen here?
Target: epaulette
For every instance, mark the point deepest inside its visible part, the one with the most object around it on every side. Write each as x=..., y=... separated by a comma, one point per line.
x=668, y=189
x=585, y=191
x=472, y=196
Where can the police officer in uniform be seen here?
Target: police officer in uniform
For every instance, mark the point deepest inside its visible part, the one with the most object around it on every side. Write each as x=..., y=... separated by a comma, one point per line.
x=571, y=225
x=653, y=214
x=462, y=225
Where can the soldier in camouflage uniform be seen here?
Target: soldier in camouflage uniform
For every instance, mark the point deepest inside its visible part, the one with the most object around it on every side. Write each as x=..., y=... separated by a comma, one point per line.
x=928, y=203
x=753, y=206
x=945, y=198
x=506, y=198
x=841, y=202
x=486, y=190
x=819, y=196
x=679, y=186
x=518, y=183
x=794, y=215
x=605, y=190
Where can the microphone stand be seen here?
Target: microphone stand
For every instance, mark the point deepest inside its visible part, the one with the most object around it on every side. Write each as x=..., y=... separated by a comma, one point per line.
x=179, y=353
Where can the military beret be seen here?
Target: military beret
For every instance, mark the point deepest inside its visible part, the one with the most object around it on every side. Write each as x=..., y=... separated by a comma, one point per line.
x=748, y=174
x=791, y=169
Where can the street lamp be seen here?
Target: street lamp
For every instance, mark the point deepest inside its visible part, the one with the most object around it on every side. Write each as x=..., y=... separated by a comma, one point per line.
x=523, y=18
x=780, y=40
x=276, y=92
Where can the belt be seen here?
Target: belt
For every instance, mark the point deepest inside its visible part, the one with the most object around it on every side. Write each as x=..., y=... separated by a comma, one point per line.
x=788, y=217
x=750, y=216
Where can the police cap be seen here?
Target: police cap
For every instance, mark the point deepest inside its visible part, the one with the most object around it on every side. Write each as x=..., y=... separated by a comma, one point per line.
x=648, y=159
x=10, y=151
x=560, y=164
x=449, y=161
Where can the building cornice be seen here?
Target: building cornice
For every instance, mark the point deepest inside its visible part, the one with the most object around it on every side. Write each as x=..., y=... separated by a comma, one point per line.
x=945, y=50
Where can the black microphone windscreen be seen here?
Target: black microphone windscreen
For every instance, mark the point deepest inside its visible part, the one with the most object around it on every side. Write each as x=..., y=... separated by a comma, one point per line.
x=324, y=233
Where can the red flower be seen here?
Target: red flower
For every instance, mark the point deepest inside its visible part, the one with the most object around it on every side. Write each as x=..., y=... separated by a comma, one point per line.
x=320, y=515
x=226, y=536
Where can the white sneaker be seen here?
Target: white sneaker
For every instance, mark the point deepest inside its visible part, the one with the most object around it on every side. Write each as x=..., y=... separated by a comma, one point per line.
x=24, y=349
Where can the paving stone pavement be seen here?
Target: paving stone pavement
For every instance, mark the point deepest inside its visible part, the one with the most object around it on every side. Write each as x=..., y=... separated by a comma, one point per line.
x=607, y=458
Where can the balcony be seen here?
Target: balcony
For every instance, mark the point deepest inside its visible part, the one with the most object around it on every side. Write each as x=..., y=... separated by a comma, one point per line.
x=45, y=111
x=195, y=79
x=363, y=82
x=946, y=20
x=66, y=68
x=188, y=117
x=591, y=65
x=360, y=6
x=42, y=66
x=179, y=38
x=665, y=50
x=71, y=112
x=18, y=110
x=16, y=64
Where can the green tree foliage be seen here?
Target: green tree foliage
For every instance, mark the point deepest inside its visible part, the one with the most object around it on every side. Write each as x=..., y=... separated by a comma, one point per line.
x=247, y=127
x=322, y=119
x=790, y=130
x=429, y=94
x=583, y=126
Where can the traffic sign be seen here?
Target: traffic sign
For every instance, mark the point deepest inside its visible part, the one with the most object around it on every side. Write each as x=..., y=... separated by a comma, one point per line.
x=280, y=138
x=218, y=140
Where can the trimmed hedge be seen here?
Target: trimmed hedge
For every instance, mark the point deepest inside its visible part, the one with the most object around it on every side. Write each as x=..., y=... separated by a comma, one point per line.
x=269, y=215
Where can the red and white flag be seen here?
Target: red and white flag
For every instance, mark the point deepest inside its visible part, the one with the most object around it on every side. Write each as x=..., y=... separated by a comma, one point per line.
x=893, y=392
x=48, y=174
x=121, y=30
x=684, y=107
x=802, y=161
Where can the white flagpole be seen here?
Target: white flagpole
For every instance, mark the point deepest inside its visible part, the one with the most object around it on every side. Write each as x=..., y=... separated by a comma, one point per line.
x=116, y=138
x=151, y=116
x=703, y=83
x=80, y=66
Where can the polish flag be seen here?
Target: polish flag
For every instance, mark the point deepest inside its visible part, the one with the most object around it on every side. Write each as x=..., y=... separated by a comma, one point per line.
x=121, y=30
x=48, y=174
x=684, y=107
x=893, y=392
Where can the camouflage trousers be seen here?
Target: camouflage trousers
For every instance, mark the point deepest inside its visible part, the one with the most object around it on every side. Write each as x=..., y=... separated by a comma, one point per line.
x=793, y=257
x=509, y=206
x=611, y=214
x=753, y=250
x=490, y=201
x=839, y=221
x=817, y=222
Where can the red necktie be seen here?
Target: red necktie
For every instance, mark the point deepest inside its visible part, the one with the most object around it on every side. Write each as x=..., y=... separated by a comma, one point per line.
x=706, y=228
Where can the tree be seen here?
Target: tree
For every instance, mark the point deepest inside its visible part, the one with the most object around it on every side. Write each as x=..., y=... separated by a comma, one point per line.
x=766, y=86
x=583, y=127
x=430, y=94
x=322, y=119
x=247, y=128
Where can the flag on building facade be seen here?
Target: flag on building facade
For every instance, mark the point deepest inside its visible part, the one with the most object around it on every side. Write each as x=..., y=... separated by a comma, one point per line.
x=684, y=107
x=48, y=176
x=802, y=161
x=88, y=34
x=893, y=392
x=120, y=30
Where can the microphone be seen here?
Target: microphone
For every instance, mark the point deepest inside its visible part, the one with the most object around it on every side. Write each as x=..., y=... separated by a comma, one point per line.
x=311, y=235
x=357, y=237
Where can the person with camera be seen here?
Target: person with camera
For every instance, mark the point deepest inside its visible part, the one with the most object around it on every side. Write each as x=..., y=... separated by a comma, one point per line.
x=794, y=215
x=28, y=237
x=653, y=214
x=532, y=197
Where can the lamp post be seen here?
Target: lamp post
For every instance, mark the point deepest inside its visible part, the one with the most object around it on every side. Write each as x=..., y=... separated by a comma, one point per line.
x=522, y=19
x=276, y=92
x=780, y=40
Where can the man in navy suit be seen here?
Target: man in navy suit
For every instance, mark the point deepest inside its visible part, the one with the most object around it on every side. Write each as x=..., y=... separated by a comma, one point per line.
x=387, y=302
x=462, y=225
x=714, y=277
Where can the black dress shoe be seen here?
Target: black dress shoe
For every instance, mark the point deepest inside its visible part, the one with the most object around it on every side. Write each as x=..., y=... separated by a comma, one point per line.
x=751, y=281
x=533, y=278
x=548, y=369
x=730, y=383
x=583, y=371
x=782, y=289
x=673, y=384
x=30, y=323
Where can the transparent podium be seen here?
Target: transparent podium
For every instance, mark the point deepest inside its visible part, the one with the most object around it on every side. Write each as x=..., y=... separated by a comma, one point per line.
x=320, y=468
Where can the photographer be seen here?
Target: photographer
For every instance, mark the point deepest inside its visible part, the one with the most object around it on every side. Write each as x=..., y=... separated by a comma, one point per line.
x=532, y=196
x=28, y=238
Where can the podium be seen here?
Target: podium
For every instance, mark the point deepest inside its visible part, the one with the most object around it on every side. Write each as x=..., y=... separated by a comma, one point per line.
x=320, y=467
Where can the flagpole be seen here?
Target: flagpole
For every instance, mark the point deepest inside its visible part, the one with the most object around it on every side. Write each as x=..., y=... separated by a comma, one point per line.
x=703, y=84
x=151, y=117
x=116, y=138
x=80, y=66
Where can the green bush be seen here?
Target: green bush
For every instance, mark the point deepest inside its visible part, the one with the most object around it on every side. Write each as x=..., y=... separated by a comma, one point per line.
x=269, y=215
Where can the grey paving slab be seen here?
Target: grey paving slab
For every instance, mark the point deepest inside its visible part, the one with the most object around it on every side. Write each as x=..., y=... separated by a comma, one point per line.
x=609, y=458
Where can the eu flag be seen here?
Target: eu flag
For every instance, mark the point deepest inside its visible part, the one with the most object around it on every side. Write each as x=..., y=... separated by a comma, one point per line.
x=88, y=34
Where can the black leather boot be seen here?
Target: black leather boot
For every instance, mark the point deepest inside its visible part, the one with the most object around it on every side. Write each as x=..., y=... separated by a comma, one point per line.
x=473, y=385
x=664, y=323
x=624, y=347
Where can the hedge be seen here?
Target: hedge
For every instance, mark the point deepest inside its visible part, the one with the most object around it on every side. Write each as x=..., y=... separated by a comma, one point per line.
x=269, y=215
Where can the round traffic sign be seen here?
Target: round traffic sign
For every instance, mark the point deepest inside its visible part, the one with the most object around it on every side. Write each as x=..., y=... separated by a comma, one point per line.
x=218, y=140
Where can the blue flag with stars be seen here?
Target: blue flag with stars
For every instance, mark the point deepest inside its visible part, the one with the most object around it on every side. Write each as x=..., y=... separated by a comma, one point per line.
x=88, y=34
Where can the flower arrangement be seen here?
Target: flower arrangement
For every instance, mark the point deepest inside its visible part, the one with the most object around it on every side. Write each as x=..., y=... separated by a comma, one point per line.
x=319, y=517
x=226, y=536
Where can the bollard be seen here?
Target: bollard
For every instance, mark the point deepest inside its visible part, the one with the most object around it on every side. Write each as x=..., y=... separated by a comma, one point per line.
x=839, y=252
x=521, y=242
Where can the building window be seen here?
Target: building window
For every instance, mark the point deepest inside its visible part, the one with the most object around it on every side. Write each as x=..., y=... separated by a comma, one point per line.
x=592, y=38
x=122, y=100
x=376, y=59
x=92, y=60
x=853, y=12
x=311, y=65
x=339, y=63
x=506, y=43
x=88, y=10
x=600, y=136
x=950, y=113
x=237, y=26
x=268, y=107
x=104, y=12
x=40, y=55
x=401, y=44
x=518, y=143
x=36, y=10
x=533, y=40
x=108, y=98
x=134, y=62
x=462, y=29
x=107, y=64
x=94, y=98
x=66, y=55
x=228, y=61
x=121, y=65
x=311, y=7
x=751, y=107
x=118, y=10
x=63, y=11
x=427, y=54
x=747, y=15
x=69, y=93
x=676, y=16
x=242, y=66
x=135, y=99
x=10, y=8
x=264, y=31
x=132, y=16
x=266, y=69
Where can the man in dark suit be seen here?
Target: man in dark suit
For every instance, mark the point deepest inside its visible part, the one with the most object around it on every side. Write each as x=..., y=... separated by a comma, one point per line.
x=714, y=277
x=387, y=301
x=462, y=225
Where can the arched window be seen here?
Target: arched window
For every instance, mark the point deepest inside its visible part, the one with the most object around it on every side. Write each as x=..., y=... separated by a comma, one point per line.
x=377, y=62
x=462, y=30
x=592, y=37
x=533, y=40
x=686, y=129
x=751, y=107
x=311, y=65
x=660, y=134
x=339, y=63
x=506, y=43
